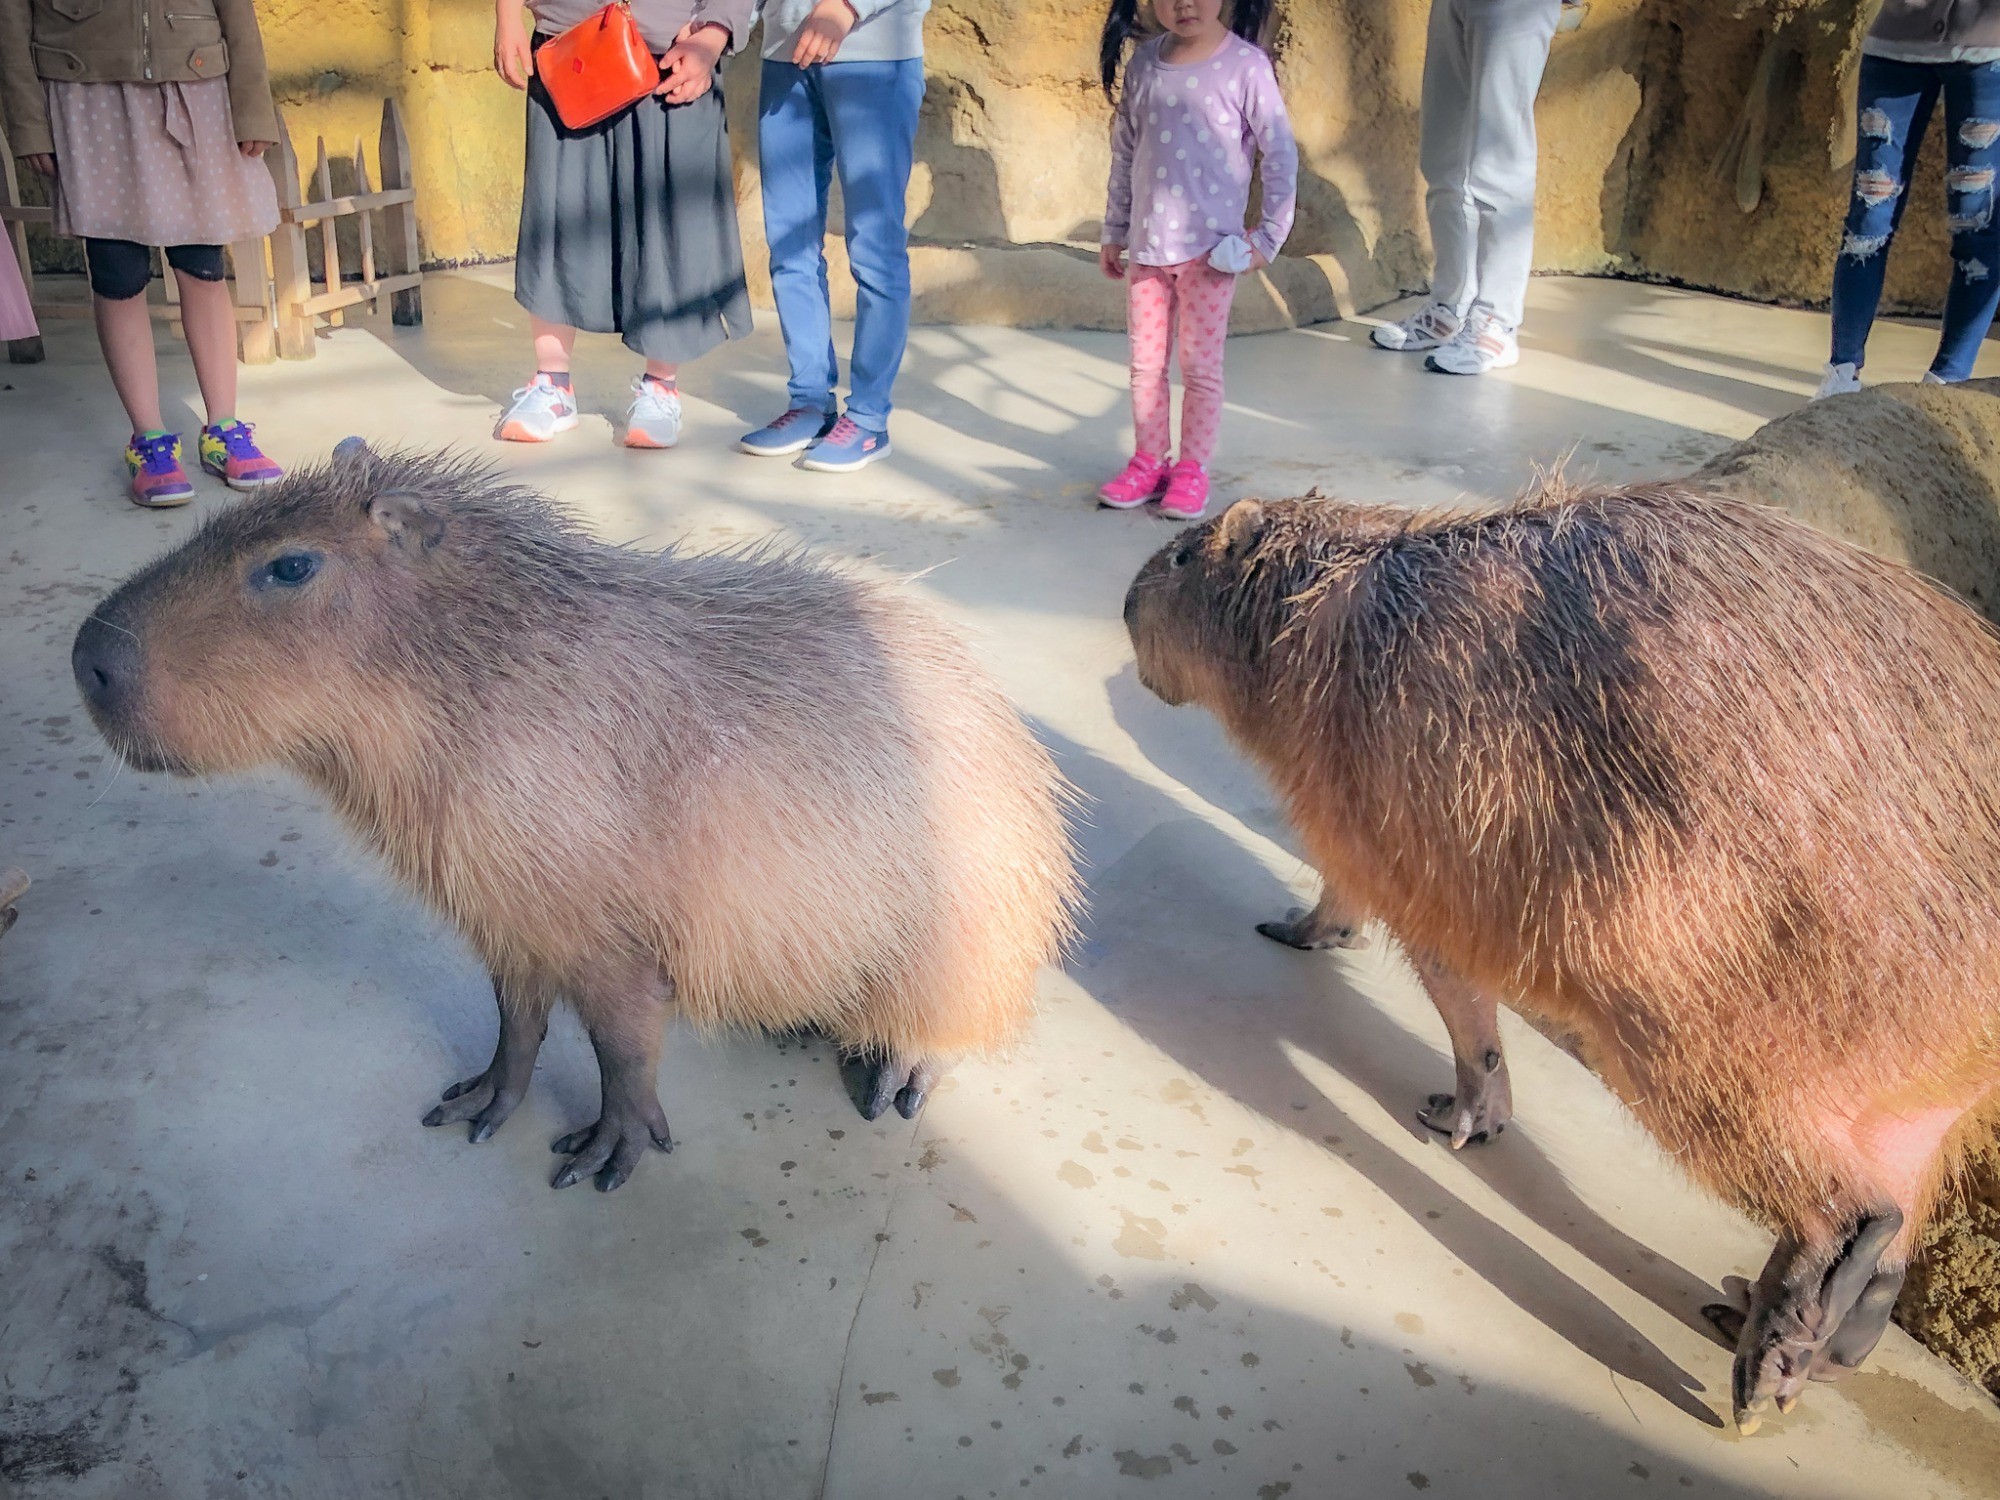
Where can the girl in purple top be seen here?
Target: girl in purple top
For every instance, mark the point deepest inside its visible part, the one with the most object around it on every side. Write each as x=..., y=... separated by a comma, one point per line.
x=1199, y=103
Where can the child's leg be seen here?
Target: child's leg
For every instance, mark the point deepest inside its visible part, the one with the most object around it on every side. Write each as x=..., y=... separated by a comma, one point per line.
x=1149, y=303
x=1972, y=146
x=1893, y=108
x=1203, y=295
x=208, y=319
x=871, y=111
x=119, y=270
x=554, y=343
x=795, y=153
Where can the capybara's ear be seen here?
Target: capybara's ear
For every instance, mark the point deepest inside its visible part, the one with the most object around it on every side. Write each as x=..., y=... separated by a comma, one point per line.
x=350, y=448
x=407, y=520
x=1240, y=527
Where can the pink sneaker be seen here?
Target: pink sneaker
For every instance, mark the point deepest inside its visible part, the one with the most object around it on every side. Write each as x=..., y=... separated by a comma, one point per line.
x=1187, y=491
x=1139, y=481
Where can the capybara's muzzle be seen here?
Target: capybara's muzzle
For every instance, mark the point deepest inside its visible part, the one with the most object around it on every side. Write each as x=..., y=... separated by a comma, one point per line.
x=109, y=666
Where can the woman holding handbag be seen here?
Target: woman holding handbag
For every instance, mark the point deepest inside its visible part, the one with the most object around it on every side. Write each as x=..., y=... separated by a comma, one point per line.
x=628, y=219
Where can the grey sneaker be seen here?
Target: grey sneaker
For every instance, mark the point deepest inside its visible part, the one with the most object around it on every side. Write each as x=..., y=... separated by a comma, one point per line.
x=1426, y=328
x=798, y=429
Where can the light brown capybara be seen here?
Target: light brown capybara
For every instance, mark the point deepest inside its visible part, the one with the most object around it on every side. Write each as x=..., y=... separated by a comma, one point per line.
x=744, y=785
x=1712, y=792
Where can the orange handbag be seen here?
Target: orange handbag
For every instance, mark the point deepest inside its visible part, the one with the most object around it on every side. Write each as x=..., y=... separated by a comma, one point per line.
x=598, y=67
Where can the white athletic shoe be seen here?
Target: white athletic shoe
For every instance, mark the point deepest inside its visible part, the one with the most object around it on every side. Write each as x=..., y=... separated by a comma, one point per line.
x=1484, y=343
x=1426, y=328
x=1839, y=380
x=541, y=409
x=654, y=420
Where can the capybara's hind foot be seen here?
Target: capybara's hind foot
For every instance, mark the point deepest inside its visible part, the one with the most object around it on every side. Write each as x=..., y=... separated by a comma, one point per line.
x=902, y=1083
x=610, y=1149
x=1309, y=932
x=1814, y=1314
x=1482, y=1107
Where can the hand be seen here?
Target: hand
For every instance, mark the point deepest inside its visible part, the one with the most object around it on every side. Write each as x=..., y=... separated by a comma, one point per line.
x=513, y=54
x=254, y=149
x=43, y=162
x=823, y=32
x=688, y=67
x=1258, y=261
x=1111, y=261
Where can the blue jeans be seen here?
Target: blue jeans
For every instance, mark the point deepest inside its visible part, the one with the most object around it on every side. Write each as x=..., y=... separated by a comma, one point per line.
x=860, y=119
x=1895, y=105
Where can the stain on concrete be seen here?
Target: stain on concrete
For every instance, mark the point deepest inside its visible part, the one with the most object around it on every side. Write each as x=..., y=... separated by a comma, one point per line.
x=1076, y=1175
x=946, y=1378
x=1135, y=1465
x=1191, y=1294
x=1141, y=1238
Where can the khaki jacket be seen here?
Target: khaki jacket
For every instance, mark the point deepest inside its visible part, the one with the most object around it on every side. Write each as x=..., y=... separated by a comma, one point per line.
x=129, y=41
x=1932, y=23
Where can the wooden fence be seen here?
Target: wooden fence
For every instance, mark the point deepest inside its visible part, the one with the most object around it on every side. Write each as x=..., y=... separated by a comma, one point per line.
x=278, y=302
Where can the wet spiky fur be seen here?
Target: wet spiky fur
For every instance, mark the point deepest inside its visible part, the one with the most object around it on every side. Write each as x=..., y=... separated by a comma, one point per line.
x=1713, y=792
x=790, y=788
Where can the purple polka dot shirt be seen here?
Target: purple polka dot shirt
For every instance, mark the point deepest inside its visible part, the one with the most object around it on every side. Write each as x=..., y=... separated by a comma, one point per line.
x=1182, y=146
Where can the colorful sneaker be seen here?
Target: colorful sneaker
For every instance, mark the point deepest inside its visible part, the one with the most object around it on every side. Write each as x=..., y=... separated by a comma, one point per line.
x=1484, y=343
x=1426, y=328
x=1142, y=479
x=1187, y=491
x=1839, y=380
x=798, y=429
x=228, y=452
x=153, y=459
x=654, y=418
x=541, y=409
x=846, y=447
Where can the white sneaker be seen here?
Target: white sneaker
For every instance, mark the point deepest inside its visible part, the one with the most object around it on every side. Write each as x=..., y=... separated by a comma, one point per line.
x=655, y=418
x=1484, y=343
x=1931, y=377
x=1426, y=328
x=1839, y=380
x=541, y=409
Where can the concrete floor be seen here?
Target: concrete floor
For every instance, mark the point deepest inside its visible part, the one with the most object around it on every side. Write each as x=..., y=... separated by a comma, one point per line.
x=1186, y=1243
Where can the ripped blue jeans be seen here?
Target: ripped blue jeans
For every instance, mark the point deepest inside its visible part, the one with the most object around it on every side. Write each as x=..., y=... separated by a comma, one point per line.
x=1896, y=102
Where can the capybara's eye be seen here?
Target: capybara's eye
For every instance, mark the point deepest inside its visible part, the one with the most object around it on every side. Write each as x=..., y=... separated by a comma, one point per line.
x=1183, y=557
x=293, y=569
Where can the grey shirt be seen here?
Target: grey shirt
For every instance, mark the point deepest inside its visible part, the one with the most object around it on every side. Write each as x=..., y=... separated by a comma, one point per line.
x=887, y=31
x=660, y=21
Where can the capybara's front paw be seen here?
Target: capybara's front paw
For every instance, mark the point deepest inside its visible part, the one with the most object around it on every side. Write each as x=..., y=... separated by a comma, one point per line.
x=1481, y=1117
x=1303, y=929
x=483, y=1100
x=898, y=1081
x=610, y=1149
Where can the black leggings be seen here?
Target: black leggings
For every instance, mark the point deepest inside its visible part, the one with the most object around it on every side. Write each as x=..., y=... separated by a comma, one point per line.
x=120, y=269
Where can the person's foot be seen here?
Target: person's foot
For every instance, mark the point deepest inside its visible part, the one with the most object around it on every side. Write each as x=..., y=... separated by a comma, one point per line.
x=1426, y=328
x=798, y=429
x=153, y=459
x=654, y=418
x=541, y=409
x=1187, y=491
x=846, y=447
x=1484, y=343
x=1839, y=380
x=231, y=455
x=1142, y=479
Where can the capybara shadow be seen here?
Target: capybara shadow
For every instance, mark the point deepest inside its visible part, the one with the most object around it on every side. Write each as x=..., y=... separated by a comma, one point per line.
x=744, y=785
x=1678, y=776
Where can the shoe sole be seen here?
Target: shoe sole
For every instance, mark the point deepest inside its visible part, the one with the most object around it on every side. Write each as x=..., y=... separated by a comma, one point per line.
x=515, y=432
x=1438, y=369
x=1108, y=503
x=744, y=445
x=1184, y=515
x=1423, y=347
x=241, y=486
x=634, y=438
x=846, y=466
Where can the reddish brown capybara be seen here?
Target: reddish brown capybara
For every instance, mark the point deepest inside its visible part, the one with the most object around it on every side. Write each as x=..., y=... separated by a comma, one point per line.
x=1712, y=792
x=746, y=785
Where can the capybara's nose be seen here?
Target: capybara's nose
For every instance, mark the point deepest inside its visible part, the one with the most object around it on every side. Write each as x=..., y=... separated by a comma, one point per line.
x=105, y=660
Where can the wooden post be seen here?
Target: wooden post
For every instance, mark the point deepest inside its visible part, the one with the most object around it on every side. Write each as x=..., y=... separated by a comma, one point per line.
x=256, y=338
x=26, y=351
x=291, y=279
x=364, y=222
x=329, y=235
x=400, y=220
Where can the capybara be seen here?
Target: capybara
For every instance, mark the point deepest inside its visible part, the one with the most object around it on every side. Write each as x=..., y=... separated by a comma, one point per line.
x=1710, y=791
x=744, y=784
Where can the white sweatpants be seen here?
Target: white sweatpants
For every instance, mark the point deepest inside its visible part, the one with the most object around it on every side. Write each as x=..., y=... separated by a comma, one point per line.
x=1483, y=62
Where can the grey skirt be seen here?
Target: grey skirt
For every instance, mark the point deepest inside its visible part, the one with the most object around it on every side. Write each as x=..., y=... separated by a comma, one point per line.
x=629, y=227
